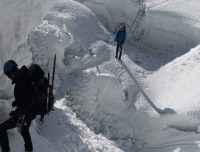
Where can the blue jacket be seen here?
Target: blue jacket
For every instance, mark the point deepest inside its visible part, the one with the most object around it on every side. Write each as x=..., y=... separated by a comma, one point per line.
x=120, y=36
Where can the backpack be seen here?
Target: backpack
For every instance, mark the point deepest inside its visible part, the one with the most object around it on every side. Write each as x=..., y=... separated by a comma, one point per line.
x=42, y=91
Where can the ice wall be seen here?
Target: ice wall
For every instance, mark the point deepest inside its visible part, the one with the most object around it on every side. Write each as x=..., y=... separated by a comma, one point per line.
x=164, y=33
x=17, y=18
x=112, y=13
x=167, y=26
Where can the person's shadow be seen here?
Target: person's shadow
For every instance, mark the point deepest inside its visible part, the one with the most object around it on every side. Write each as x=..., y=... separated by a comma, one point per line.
x=158, y=110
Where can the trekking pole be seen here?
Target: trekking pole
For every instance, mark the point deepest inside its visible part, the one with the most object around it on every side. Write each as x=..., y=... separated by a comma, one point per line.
x=54, y=66
x=49, y=92
x=47, y=108
x=47, y=102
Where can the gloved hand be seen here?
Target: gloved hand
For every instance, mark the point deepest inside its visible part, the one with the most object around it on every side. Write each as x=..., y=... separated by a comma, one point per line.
x=14, y=103
x=13, y=113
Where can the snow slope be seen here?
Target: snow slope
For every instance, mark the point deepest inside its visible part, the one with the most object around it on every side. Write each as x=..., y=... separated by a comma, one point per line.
x=182, y=74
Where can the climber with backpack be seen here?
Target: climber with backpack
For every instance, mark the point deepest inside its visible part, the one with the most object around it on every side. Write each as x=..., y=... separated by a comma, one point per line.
x=120, y=38
x=33, y=96
x=24, y=101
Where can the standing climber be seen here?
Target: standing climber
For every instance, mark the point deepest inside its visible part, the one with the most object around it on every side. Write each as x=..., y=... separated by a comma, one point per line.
x=24, y=101
x=120, y=38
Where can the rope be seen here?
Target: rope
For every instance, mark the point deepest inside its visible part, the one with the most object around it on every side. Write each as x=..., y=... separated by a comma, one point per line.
x=76, y=41
x=158, y=4
x=100, y=97
x=173, y=144
x=91, y=54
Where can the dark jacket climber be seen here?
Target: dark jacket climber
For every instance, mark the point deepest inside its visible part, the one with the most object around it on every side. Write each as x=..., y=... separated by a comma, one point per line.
x=24, y=101
x=120, y=38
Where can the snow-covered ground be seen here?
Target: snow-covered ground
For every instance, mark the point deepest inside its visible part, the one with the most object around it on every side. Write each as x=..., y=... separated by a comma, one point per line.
x=147, y=102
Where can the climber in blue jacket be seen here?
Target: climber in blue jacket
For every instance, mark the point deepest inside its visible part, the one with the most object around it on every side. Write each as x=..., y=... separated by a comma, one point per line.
x=120, y=38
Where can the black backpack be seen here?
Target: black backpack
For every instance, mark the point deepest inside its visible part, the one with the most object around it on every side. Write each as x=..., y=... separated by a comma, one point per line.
x=42, y=90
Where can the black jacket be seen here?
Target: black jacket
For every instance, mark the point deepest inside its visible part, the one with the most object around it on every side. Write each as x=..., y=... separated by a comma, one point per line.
x=24, y=96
